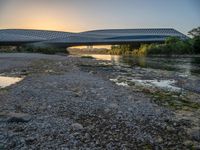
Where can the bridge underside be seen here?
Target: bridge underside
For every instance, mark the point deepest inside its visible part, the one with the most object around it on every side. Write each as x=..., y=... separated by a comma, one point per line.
x=18, y=37
x=99, y=43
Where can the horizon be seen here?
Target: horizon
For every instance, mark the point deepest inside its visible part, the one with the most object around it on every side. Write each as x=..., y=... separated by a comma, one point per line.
x=78, y=16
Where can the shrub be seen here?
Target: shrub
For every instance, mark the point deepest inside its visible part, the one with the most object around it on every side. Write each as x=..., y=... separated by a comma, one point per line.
x=172, y=40
x=44, y=50
x=196, y=44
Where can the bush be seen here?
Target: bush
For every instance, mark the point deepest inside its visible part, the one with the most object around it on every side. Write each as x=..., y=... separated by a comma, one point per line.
x=172, y=40
x=44, y=50
x=8, y=49
x=196, y=44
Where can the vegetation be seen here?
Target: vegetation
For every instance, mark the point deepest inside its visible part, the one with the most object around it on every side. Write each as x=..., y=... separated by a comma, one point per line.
x=44, y=50
x=172, y=45
x=33, y=49
x=7, y=49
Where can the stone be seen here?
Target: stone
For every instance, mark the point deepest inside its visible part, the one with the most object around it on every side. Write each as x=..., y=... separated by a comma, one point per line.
x=87, y=136
x=113, y=106
x=18, y=117
x=195, y=135
x=76, y=126
x=159, y=139
x=107, y=110
x=30, y=140
x=187, y=142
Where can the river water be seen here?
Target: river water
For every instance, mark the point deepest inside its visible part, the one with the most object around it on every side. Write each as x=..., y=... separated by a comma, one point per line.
x=7, y=81
x=162, y=72
x=184, y=65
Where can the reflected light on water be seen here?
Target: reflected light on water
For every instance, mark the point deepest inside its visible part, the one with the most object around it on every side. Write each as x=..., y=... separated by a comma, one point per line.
x=7, y=81
x=113, y=58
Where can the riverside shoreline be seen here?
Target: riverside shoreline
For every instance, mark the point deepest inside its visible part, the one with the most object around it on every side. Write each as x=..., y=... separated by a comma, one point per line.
x=71, y=103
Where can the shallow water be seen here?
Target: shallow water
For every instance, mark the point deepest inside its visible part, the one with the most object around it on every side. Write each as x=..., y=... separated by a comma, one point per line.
x=7, y=81
x=186, y=66
x=161, y=72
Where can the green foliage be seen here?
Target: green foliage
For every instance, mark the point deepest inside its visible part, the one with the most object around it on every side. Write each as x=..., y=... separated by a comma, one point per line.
x=172, y=40
x=33, y=49
x=44, y=50
x=172, y=46
x=8, y=49
x=122, y=49
x=196, y=44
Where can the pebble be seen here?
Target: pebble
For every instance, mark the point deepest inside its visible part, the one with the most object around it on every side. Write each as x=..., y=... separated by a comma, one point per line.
x=113, y=106
x=18, y=117
x=195, y=135
x=77, y=126
x=112, y=116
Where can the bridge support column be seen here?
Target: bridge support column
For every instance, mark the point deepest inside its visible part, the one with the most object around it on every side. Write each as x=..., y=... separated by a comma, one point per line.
x=90, y=47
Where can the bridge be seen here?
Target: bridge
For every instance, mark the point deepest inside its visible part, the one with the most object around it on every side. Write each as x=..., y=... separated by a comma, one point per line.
x=17, y=37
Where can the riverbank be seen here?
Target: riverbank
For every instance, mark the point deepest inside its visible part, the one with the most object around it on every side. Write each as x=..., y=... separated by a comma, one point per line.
x=72, y=102
x=106, y=52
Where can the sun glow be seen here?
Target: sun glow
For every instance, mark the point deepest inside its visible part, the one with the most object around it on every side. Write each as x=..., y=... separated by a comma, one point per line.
x=39, y=17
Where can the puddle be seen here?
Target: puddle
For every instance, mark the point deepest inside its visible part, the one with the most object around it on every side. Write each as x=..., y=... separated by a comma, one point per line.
x=7, y=81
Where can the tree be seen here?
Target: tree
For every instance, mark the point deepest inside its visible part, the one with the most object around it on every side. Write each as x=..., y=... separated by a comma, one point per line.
x=172, y=40
x=196, y=44
x=194, y=32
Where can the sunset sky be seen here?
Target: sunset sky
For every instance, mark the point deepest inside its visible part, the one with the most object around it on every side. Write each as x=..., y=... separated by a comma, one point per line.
x=81, y=15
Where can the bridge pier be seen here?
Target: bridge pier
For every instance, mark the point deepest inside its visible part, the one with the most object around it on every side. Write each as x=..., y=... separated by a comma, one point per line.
x=90, y=47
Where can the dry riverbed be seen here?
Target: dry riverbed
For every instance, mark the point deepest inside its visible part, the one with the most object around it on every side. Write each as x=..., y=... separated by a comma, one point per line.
x=67, y=102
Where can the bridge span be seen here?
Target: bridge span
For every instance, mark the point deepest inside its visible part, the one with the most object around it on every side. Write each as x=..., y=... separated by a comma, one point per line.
x=17, y=37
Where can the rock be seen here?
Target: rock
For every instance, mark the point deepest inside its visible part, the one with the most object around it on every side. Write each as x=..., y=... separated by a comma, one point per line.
x=146, y=91
x=18, y=117
x=2, y=115
x=107, y=110
x=113, y=106
x=170, y=128
x=87, y=136
x=91, y=72
x=159, y=139
x=77, y=126
x=30, y=140
x=195, y=135
x=49, y=107
x=187, y=142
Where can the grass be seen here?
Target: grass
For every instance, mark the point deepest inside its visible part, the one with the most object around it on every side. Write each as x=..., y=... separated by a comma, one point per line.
x=169, y=99
x=174, y=101
x=3, y=90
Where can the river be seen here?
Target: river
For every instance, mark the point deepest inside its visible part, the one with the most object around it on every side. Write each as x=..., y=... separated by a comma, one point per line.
x=163, y=72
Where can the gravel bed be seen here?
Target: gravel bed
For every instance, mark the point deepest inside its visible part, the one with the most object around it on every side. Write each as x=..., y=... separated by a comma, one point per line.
x=75, y=109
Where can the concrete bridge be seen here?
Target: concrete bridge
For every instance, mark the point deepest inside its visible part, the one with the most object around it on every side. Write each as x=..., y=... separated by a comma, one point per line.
x=17, y=37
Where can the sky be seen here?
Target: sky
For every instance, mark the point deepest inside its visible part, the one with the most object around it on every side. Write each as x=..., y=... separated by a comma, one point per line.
x=82, y=15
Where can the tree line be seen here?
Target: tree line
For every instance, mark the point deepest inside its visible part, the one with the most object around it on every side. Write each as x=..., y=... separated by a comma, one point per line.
x=171, y=46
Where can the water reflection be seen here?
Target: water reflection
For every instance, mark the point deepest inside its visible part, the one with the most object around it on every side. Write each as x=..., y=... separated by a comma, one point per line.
x=7, y=81
x=113, y=58
x=187, y=66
